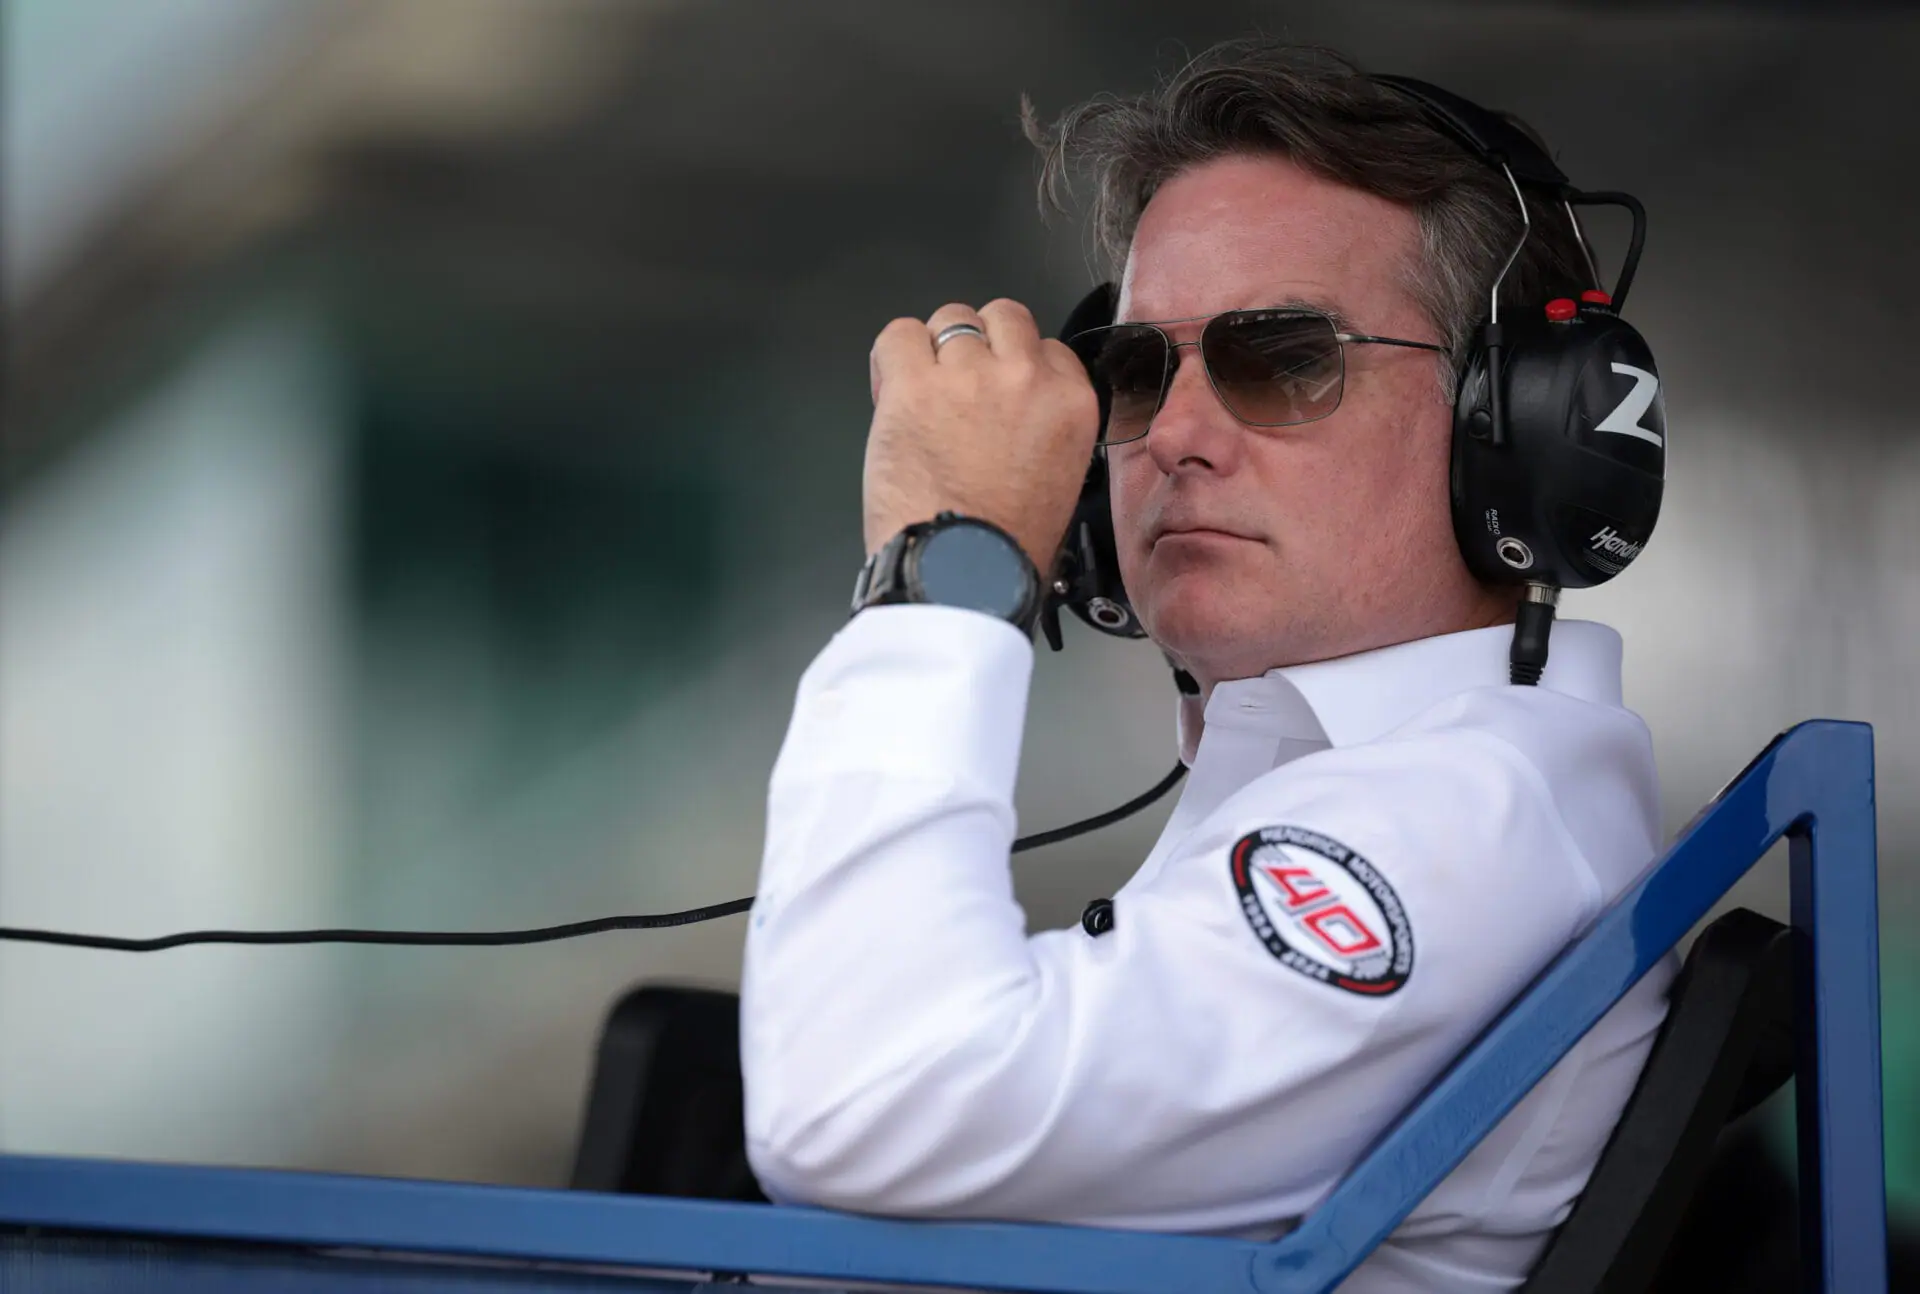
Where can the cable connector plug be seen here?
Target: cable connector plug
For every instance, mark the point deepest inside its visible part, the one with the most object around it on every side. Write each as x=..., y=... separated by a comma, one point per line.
x=1532, y=627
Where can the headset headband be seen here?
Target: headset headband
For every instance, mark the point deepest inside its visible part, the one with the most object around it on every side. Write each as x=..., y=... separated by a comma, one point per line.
x=1505, y=147
x=1495, y=139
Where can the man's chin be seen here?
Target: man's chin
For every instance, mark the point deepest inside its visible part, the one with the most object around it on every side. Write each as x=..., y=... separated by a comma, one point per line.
x=1199, y=624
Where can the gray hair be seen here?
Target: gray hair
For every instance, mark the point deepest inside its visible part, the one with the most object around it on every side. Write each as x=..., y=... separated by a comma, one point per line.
x=1319, y=109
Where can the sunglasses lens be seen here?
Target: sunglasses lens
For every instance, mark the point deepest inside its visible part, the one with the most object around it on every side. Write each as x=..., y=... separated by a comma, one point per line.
x=1128, y=365
x=1273, y=368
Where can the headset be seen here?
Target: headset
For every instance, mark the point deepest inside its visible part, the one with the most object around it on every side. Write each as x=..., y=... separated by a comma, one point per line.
x=1556, y=476
x=1559, y=430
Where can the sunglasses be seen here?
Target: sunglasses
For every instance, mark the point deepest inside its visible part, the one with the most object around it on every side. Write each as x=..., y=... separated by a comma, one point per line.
x=1270, y=368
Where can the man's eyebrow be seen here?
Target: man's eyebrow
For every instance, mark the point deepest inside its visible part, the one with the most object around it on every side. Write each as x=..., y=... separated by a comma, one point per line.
x=1327, y=308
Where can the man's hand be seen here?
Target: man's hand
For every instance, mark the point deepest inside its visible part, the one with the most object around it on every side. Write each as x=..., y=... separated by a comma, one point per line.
x=999, y=428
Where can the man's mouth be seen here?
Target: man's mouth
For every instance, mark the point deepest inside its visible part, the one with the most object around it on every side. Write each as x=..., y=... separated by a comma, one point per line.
x=1196, y=532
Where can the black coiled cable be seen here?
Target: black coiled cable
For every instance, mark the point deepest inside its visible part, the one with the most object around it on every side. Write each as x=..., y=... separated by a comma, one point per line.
x=538, y=935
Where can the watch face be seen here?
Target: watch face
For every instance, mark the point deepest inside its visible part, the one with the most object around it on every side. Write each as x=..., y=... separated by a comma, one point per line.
x=971, y=566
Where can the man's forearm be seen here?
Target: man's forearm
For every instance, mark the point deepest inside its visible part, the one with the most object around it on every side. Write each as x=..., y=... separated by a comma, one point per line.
x=885, y=925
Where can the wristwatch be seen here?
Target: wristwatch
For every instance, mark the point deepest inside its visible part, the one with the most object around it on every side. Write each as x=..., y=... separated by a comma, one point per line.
x=953, y=561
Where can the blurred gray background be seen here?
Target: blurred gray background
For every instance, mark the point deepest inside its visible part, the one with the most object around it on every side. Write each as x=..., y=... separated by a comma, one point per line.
x=432, y=455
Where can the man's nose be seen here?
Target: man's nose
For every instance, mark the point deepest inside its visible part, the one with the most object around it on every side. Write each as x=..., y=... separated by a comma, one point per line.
x=1193, y=431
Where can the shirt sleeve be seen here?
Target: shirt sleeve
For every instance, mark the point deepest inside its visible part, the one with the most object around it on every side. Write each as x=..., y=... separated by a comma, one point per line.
x=1216, y=1061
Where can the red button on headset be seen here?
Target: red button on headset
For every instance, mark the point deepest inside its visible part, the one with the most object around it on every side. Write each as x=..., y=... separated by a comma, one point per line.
x=1597, y=297
x=1561, y=309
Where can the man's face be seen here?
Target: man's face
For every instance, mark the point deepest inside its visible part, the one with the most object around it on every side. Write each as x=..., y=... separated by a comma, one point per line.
x=1247, y=548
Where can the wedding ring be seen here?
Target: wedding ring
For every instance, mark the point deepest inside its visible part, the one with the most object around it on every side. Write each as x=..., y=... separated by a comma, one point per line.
x=951, y=331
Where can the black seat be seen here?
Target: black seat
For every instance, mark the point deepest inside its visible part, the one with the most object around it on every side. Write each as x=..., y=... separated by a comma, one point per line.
x=1727, y=1045
x=665, y=1113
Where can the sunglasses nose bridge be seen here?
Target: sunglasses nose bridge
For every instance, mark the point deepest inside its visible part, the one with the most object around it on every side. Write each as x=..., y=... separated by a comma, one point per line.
x=1175, y=366
x=1197, y=371
x=1197, y=375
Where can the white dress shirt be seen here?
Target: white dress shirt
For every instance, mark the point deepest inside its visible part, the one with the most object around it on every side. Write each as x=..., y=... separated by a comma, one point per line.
x=1371, y=856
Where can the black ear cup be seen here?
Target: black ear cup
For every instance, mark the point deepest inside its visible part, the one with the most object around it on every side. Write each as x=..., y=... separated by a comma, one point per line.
x=1087, y=578
x=1570, y=494
x=1559, y=439
x=1095, y=310
x=1090, y=565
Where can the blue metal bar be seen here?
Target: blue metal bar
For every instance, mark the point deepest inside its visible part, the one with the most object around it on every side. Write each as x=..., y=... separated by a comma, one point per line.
x=1816, y=778
x=1843, y=1197
x=42, y=1264
x=316, y=1209
x=1814, y=784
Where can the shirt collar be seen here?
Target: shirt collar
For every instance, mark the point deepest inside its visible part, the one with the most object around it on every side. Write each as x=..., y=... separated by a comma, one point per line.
x=1354, y=699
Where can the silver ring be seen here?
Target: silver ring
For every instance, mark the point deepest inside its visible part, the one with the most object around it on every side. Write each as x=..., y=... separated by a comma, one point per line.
x=951, y=331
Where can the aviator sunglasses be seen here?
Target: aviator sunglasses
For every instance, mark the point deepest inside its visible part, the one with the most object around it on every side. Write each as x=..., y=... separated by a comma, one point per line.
x=1270, y=368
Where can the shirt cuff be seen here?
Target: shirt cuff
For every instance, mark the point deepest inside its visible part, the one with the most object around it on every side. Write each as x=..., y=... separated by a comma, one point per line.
x=919, y=691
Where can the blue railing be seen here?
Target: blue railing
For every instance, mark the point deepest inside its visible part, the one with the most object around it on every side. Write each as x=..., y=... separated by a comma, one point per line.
x=1813, y=785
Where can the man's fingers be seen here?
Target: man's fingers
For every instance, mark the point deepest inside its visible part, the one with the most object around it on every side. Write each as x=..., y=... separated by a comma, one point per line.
x=1007, y=330
x=965, y=344
x=1011, y=329
x=902, y=345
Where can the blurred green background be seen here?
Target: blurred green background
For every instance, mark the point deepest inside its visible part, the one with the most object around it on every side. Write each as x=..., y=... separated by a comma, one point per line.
x=432, y=454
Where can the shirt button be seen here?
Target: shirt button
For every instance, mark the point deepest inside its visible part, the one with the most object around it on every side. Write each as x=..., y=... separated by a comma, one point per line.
x=1098, y=918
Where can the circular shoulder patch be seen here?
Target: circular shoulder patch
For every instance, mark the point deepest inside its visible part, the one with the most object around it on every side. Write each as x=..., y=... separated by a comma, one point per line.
x=1323, y=910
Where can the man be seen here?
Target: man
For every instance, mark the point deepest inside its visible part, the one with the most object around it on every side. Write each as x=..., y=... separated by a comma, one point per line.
x=1380, y=841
